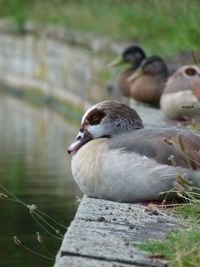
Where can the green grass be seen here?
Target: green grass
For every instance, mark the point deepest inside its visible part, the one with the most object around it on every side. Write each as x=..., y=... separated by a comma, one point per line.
x=194, y=126
x=165, y=26
x=181, y=247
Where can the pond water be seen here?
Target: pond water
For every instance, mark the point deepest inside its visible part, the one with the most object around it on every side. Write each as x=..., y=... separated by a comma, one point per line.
x=35, y=167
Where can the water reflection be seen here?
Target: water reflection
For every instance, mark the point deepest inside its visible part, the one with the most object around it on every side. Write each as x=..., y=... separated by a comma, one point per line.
x=34, y=165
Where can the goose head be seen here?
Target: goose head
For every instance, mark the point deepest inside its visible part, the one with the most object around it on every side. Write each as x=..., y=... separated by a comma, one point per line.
x=182, y=88
x=184, y=78
x=153, y=66
x=132, y=55
x=106, y=119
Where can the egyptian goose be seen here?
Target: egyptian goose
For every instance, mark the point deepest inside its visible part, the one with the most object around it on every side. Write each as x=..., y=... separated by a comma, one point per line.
x=132, y=55
x=115, y=158
x=148, y=81
x=182, y=88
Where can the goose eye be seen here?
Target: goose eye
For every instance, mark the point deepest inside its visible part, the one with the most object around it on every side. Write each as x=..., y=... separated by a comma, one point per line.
x=96, y=119
x=190, y=71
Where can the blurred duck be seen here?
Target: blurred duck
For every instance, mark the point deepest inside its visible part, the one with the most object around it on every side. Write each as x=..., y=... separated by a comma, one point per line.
x=182, y=88
x=148, y=81
x=115, y=158
x=132, y=55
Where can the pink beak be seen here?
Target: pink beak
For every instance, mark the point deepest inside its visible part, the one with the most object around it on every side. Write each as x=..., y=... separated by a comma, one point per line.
x=82, y=138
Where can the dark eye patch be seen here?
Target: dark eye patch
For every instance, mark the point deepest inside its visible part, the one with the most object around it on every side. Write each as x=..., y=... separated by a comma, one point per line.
x=190, y=72
x=95, y=116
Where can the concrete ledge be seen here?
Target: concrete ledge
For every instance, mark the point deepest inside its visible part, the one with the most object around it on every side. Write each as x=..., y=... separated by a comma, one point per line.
x=104, y=233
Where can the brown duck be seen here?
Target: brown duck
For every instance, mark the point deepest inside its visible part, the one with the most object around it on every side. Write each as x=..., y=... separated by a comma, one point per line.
x=132, y=55
x=148, y=81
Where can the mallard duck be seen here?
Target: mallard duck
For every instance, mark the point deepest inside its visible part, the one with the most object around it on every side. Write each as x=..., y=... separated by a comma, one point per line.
x=132, y=55
x=115, y=158
x=182, y=88
x=148, y=81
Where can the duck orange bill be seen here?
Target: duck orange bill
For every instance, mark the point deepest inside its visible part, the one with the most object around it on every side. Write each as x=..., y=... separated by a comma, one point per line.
x=116, y=62
x=82, y=138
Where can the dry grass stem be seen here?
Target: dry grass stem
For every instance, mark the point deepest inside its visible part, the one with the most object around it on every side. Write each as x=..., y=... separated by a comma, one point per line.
x=3, y=196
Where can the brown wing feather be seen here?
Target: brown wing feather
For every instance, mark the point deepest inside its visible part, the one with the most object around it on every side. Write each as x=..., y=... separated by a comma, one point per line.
x=160, y=144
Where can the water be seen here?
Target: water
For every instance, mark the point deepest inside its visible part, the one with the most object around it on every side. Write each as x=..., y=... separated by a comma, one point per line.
x=34, y=165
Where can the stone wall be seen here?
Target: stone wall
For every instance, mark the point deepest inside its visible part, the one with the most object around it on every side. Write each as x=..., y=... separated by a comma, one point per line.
x=60, y=63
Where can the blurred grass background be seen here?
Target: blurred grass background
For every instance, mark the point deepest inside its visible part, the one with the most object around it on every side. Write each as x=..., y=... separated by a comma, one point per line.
x=168, y=27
